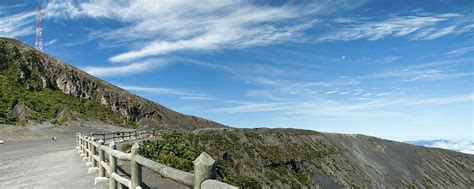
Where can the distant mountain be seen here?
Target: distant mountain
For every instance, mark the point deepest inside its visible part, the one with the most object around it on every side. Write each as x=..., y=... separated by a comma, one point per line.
x=464, y=146
x=35, y=87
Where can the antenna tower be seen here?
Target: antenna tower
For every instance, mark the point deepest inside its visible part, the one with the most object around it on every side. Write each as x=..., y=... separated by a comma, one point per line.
x=39, y=39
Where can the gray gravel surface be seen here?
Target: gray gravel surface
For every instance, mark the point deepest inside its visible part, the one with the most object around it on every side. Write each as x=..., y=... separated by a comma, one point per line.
x=29, y=158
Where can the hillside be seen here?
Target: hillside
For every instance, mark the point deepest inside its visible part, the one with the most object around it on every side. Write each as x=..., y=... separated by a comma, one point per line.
x=37, y=87
x=291, y=158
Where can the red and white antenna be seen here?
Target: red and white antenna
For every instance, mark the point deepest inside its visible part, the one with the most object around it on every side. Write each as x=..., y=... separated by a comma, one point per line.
x=39, y=39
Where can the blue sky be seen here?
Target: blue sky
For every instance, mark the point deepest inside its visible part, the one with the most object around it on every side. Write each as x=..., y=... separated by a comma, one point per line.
x=400, y=70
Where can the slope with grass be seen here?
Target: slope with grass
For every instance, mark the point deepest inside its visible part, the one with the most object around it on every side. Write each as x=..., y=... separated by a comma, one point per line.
x=37, y=87
x=290, y=158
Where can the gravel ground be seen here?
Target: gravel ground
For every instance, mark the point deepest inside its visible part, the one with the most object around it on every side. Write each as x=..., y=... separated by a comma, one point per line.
x=30, y=159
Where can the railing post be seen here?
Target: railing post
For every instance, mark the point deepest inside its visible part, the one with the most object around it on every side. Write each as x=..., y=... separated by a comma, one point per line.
x=136, y=177
x=87, y=147
x=204, y=168
x=82, y=144
x=94, y=152
x=112, y=166
x=91, y=148
x=101, y=159
x=77, y=141
x=103, y=136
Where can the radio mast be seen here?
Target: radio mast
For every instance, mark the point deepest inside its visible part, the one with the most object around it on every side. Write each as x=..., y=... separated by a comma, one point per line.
x=39, y=39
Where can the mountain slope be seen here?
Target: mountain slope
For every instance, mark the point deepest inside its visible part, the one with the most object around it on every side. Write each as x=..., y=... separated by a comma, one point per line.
x=38, y=87
x=291, y=158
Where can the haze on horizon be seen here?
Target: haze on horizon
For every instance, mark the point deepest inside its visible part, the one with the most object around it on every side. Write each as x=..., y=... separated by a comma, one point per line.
x=399, y=70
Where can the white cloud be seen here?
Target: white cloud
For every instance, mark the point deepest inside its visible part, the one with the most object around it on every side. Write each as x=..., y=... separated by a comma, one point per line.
x=418, y=27
x=322, y=107
x=50, y=42
x=464, y=146
x=162, y=90
x=196, y=98
x=384, y=94
x=169, y=26
x=127, y=69
x=388, y=59
x=17, y=25
x=460, y=51
x=252, y=107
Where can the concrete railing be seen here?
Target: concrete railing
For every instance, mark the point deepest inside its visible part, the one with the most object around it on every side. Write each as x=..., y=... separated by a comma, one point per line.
x=94, y=152
x=122, y=135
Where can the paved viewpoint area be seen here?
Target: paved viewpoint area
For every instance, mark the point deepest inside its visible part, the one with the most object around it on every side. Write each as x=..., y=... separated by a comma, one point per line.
x=43, y=164
x=29, y=158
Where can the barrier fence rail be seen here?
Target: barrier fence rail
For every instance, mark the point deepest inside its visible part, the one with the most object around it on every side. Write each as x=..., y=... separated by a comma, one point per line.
x=94, y=152
x=123, y=135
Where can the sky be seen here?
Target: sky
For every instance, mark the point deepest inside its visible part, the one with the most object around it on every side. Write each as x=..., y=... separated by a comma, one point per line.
x=400, y=70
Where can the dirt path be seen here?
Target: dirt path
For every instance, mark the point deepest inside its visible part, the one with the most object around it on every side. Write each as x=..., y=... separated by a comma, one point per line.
x=30, y=159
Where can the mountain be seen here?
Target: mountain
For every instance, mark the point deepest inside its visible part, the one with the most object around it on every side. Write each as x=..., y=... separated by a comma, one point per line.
x=292, y=158
x=35, y=87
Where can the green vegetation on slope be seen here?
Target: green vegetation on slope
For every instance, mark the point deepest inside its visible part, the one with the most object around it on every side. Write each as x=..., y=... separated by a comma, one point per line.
x=243, y=158
x=22, y=86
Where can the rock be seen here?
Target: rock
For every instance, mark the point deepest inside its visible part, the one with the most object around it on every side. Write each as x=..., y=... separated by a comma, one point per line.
x=20, y=111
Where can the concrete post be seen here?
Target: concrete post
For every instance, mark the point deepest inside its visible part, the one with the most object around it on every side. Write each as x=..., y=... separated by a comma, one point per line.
x=101, y=159
x=81, y=143
x=94, y=152
x=77, y=141
x=136, y=177
x=112, y=166
x=84, y=147
x=91, y=148
x=204, y=168
x=87, y=147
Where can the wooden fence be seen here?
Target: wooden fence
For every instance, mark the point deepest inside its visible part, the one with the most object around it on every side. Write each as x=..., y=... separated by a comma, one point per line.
x=94, y=152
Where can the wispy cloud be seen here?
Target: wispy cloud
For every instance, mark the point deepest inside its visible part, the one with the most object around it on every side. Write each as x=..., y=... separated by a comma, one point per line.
x=186, y=25
x=323, y=107
x=17, y=25
x=384, y=94
x=460, y=51
x=416, y=27
x=421, y=75
x=167, y=91
x=132, y=68
x=196, y=98
x=48, y=43
x=252, y=107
